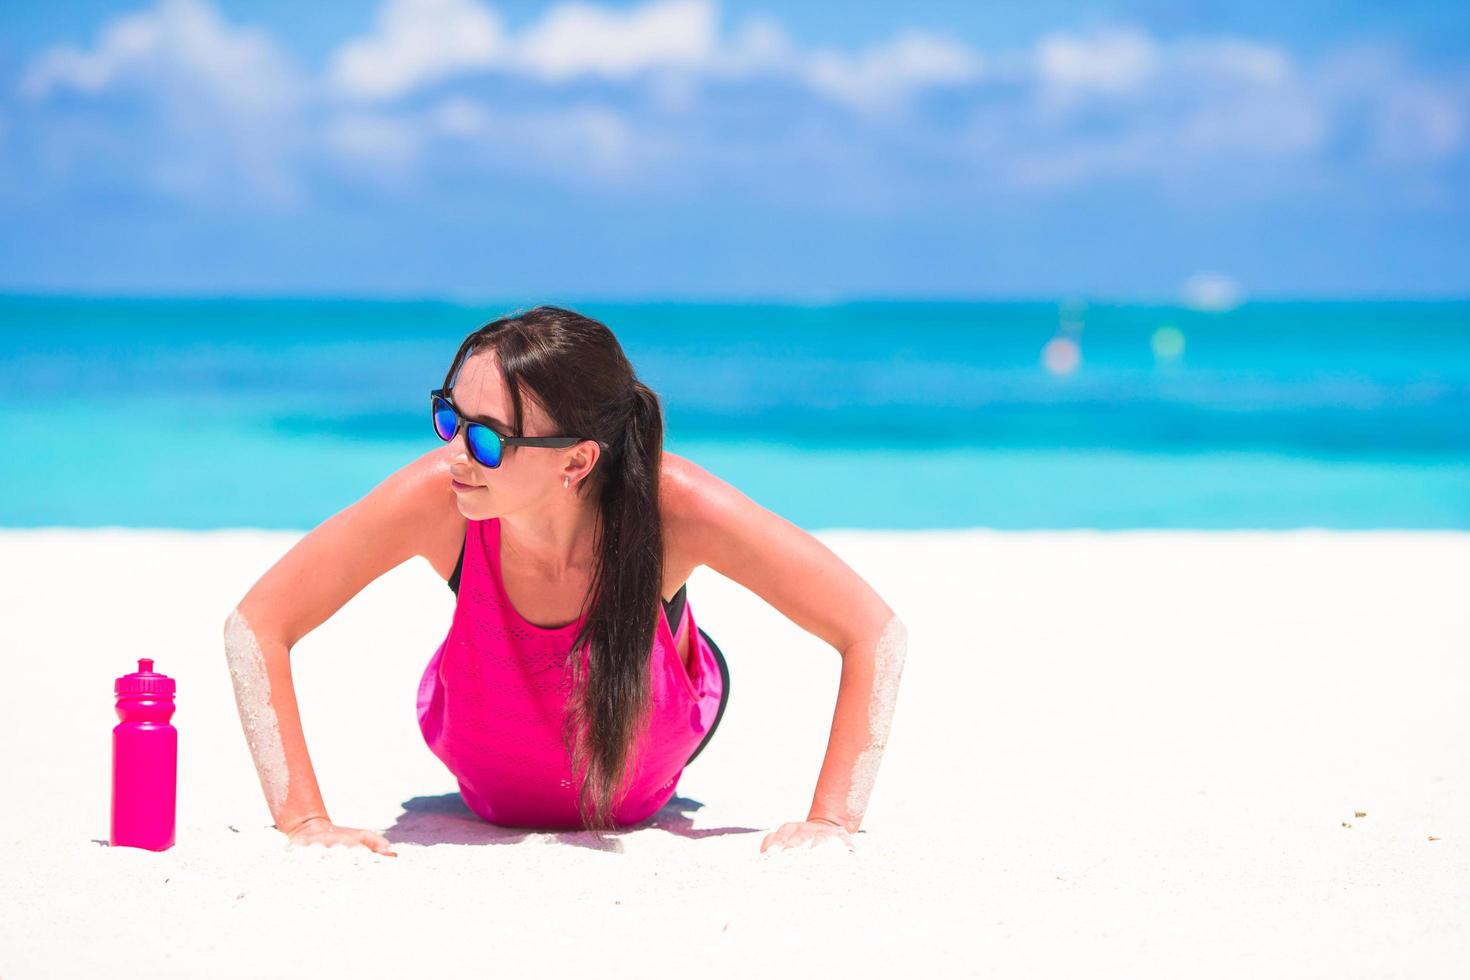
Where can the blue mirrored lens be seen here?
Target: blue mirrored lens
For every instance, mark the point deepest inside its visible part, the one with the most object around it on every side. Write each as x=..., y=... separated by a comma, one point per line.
x=484, y=444
x=444, y=421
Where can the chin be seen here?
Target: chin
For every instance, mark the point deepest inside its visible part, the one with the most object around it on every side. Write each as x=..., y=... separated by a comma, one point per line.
x=477, y=511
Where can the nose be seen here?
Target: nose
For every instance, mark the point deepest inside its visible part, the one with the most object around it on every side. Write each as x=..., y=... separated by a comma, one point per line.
x=455, y=448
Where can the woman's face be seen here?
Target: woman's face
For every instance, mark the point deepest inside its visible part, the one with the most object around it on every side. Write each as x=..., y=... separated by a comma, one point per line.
x=526, y=475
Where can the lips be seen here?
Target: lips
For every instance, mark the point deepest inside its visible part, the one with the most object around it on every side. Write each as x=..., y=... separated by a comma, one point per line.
x=463, y=486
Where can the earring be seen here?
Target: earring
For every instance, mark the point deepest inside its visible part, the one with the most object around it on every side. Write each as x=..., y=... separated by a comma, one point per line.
x=566, y=481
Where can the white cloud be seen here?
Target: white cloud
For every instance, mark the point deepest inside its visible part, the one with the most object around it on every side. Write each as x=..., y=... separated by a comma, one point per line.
x=1404, y=119
x=577, y=143
x=1220, y=92
x=577, y=39
x=228, y=101
x=1233, y=59
x=417, y=43
x=1070, y=162
x=1280, y=123
x=594, y=134
x=377, y=140
x=1417, y=123
x=886, y=75
x=1118, y=102
x=760, y=46
x=226, y=113
x=460, y=116
x=178, y=41
x=1109, y=61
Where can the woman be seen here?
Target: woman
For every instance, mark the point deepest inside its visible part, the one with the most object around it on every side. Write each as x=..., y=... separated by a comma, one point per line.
x=553, y=503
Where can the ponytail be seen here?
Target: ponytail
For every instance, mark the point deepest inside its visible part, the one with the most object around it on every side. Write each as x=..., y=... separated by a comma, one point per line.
x=619, y=629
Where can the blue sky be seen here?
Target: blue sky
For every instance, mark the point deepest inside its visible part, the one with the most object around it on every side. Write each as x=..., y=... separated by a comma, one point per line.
x=695, y=149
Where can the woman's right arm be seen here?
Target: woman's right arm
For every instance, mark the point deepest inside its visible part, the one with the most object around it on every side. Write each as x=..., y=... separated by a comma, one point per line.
x=410, y=513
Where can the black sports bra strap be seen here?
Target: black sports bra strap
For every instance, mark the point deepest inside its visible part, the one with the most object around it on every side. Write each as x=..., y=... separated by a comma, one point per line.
x=674, y=608
x=458, y=567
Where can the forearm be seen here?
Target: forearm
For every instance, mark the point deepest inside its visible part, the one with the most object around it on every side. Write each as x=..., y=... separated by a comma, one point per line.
x=260, y=669
x=866, y=697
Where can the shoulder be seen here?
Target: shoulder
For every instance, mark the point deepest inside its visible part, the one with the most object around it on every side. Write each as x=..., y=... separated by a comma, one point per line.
x=710, y=523
x=416, y=503
x=411, y=512
x=704, y=516
x=691, y=498
x=420, y=489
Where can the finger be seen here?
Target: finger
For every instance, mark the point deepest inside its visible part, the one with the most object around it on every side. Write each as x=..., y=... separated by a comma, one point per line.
x=377, y=842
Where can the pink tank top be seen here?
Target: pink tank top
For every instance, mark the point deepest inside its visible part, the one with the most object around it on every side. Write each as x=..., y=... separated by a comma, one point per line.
x=492, y=700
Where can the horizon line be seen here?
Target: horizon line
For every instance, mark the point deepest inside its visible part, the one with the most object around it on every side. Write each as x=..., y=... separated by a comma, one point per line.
x=453, y=298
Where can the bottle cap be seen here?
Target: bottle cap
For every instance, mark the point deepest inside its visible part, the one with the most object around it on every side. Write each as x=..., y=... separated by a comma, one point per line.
x=145, y=681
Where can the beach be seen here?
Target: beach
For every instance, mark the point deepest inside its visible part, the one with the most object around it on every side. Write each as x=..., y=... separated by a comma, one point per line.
x=1133, y=753
x=1126, y=356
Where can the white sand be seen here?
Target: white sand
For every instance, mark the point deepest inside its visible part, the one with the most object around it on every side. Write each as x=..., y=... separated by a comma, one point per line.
x=1126, y=754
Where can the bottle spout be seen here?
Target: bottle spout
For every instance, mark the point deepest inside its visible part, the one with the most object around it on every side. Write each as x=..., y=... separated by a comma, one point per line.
x=146, y=681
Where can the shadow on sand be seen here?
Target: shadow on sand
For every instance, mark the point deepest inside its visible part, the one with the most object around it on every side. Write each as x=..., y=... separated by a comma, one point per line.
x=429, y=820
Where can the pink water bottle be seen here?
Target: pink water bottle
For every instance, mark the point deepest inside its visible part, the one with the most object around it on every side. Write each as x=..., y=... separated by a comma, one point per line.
x=145, y=760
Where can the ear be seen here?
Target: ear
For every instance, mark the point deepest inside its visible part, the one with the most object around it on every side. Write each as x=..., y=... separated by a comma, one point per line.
x=578, y=462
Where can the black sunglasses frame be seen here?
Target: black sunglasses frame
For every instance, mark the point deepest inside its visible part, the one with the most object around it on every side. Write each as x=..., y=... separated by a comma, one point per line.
x=460, y=422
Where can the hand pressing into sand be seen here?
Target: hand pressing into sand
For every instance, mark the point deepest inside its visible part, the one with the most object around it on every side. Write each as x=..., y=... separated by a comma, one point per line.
x=320, y=830
x=806, y=833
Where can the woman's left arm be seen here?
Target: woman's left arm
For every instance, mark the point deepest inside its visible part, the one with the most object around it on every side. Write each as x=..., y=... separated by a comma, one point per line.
x=800, y=577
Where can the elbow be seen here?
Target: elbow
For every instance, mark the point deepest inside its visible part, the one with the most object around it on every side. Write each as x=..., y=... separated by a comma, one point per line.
x=235, y=627
x=256, y=630
x=886, y=637
x=892, y=647
x=241, y=642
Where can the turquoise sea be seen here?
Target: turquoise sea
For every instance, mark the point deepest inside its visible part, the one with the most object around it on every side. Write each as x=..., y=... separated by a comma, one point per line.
x=277, y=413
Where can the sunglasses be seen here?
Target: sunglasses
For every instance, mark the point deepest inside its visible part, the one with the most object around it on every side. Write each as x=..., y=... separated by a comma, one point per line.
x=486, y=446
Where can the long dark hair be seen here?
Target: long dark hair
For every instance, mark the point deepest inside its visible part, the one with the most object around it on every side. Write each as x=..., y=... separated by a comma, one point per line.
x=575, y=369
